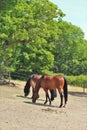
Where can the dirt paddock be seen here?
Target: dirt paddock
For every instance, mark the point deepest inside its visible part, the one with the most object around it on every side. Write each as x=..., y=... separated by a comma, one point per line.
x=19, y=113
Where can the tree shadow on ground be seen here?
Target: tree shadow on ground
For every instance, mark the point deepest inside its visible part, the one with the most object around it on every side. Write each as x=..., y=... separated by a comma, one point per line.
x=79, y=94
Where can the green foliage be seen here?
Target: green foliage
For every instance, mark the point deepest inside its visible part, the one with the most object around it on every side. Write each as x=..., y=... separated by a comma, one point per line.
x=35, y=58
x=80, y=80
x=70, y=52
x=35, y=39
x=23, y=22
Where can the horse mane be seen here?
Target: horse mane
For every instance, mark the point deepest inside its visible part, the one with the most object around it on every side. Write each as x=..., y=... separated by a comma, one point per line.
x=33, y=75
x=43, y=76
x=46, y=76
x=26, y=88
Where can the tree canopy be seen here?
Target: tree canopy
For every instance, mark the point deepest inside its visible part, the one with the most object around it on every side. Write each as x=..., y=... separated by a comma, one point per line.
x=35, y=39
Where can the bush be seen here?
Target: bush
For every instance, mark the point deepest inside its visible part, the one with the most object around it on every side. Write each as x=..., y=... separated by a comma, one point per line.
x=80, y=80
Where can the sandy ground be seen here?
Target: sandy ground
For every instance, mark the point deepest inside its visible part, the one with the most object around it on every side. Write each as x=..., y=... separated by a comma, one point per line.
x=19, y=113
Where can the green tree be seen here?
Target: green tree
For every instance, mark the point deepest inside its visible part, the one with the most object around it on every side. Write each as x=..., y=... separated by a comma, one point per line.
x=69, y=48
x=28, y=22
x=34, y=59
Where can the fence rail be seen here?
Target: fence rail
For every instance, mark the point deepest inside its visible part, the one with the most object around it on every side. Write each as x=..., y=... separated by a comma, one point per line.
x=15, y=75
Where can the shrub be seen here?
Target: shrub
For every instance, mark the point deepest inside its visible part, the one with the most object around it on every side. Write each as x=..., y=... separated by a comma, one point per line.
x=80, y=80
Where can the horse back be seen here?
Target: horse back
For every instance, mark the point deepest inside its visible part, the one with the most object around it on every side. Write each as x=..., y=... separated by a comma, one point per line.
x=59, y=80
x=52, y=82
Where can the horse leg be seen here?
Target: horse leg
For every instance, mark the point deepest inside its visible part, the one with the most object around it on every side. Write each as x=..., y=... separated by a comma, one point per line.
x=55, y=93
x=65, y=104
x=46, y=100
x=32, y=91
x=61, y=97
x=47, y=97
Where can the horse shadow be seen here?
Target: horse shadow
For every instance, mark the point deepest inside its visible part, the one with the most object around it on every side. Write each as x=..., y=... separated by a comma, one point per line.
x=78, y=94
x=39, y=104
x=30, y=102
x=21, y=96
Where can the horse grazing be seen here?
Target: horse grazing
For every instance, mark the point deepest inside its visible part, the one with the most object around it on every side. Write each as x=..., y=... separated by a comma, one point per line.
x=32, y=83
x=52, y=82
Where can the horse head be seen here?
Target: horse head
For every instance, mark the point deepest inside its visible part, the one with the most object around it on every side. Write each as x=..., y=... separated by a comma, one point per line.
x=35, y=97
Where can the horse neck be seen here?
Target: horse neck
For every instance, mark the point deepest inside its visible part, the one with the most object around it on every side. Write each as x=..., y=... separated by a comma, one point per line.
x=37, y=87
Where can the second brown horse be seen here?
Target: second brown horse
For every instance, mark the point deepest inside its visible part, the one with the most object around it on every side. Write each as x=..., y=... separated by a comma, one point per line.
x=52, y=82
x=31, y=82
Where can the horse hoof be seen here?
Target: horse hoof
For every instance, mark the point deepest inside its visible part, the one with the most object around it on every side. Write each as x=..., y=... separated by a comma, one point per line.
x=52, y=99
x=45, y=103
x=65, y=106
x=60, y=106
x=49, y=104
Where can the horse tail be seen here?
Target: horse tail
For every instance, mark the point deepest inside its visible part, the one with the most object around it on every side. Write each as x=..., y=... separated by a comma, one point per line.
x=65, y=88
x=27, y=87
x=53, y=93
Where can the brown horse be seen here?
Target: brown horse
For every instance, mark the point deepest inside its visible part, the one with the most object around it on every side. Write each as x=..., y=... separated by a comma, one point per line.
x=32, y=83
x=51, y=82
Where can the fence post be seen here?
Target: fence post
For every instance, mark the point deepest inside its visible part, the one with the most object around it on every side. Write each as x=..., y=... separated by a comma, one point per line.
x=9, y=77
